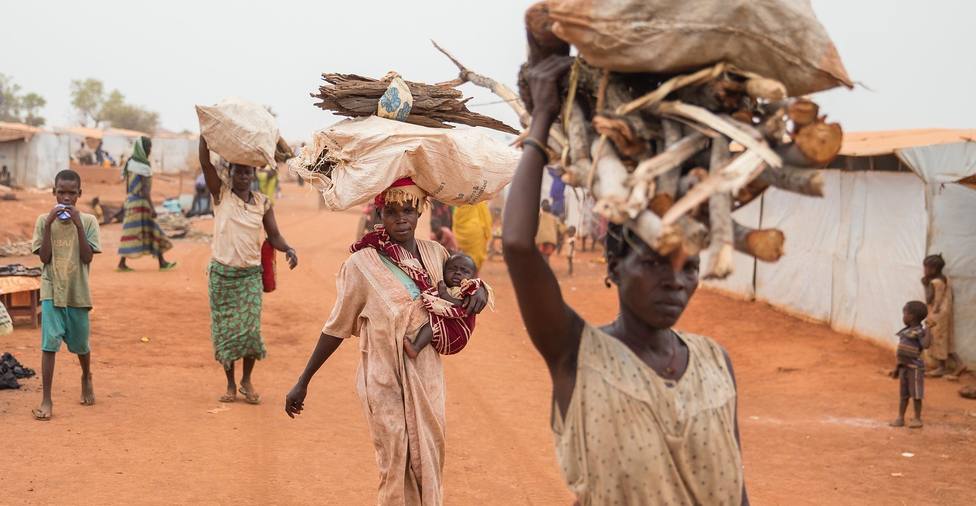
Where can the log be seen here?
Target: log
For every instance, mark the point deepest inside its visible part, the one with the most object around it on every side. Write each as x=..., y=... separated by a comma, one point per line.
x=621, y=134
x=609, y=188
x=671, y=158
x=802, y=112
x=820, y=142
x=765, y=245
x=579, y=139
x=661, y=92
x=434, y=106
x=730, y=178
x=720, y=218
x=666, y=184
x=736, y=132
x=793, y=179
x=762, y=88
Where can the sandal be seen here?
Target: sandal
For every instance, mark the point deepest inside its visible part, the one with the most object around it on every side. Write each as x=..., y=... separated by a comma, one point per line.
x=915, y=423
x=249, y=397
x=124, y=269
x=228, y=398
x=40, y=416
x=168, y=267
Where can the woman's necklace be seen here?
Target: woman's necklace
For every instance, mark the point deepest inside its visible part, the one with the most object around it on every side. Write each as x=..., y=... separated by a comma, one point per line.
x=670, y=367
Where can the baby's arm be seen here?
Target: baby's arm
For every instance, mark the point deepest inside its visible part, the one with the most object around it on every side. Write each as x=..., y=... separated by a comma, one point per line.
x=444, y=294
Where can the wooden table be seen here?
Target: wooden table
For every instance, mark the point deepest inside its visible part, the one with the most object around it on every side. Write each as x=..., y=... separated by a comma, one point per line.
x=21, y=295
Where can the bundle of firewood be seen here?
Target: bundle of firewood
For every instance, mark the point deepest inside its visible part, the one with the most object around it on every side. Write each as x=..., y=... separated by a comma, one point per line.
x=672, y=156
x=433, y=105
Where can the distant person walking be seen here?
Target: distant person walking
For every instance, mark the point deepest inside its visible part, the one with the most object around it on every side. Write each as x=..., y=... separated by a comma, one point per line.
x=141, y=234
x=242, y=217
x=472, y=231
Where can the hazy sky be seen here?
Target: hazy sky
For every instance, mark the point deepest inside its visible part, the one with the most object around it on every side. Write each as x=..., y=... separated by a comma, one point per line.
x=167, y=56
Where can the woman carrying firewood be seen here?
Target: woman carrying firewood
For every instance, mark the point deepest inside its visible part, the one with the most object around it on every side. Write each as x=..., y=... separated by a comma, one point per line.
x=642, y=414
x=378, y=299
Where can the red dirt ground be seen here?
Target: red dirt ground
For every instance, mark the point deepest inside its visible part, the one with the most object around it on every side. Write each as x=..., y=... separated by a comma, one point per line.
x=813, y=405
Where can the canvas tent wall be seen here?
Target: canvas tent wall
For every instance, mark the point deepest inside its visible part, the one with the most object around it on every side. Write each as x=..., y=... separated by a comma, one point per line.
x=33, y=156
x=853, y=258
x=175, y=153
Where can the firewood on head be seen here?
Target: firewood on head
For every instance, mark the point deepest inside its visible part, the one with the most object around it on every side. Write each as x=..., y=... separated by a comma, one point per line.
x=720, y=217
x=619, y=131
x=647, y=226
x=538, y=30
x=765, y=245
x=693, y=238
x=820, y=142
x=729, y=178
x=803, y=112
x=762, y=88
x=609, y=188
x=502, y=91
x=803, y=181
x=743, y=134
x=667, y=182
x=773, y=125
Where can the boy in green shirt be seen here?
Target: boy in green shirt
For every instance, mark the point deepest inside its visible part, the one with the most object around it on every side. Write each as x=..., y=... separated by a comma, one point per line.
x=66, y=240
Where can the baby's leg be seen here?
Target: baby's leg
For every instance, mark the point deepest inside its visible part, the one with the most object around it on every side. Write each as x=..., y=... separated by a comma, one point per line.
x=423, y=338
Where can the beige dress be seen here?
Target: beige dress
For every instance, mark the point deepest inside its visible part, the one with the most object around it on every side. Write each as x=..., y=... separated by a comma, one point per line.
x=238, y=228
x=403, y=399
x=632, y=437
x=940, y=320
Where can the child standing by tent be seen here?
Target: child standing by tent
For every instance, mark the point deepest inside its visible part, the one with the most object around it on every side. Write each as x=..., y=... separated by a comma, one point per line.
x=938, y=298
x=910, y=369
x=66, y=240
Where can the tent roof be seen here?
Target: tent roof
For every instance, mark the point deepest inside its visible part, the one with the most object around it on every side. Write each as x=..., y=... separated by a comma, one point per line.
x=98, y=133
x=16, y=131
x=887, y=142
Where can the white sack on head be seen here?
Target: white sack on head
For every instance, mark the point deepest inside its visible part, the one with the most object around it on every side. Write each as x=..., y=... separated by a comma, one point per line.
x=359, y=158
x=239, y=131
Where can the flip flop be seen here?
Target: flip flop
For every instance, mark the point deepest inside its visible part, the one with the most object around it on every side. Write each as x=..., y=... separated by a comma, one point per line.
x=40, y=416
x=168, y=267
x=915, y=423
x=124, y=269
x=250, y=398
x=228, y=398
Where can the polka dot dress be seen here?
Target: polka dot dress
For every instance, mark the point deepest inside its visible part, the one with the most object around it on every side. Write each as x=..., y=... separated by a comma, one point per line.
x=632, y=437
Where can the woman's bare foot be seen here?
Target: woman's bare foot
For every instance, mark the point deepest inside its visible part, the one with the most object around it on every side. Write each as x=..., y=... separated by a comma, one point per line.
x=897, y=422
x=230, y=395
x=43, y=412
x=87, y=390
x=915, y=423
x=409, y=350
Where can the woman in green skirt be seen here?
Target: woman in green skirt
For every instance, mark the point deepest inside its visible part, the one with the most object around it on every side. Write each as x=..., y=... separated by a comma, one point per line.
x=242, y=218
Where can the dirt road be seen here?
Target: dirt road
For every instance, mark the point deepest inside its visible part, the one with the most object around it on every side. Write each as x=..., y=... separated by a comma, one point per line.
x=813, y=405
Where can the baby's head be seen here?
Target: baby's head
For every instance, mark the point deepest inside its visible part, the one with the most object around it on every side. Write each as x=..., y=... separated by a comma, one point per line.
x=914, y=313
x=457, y=268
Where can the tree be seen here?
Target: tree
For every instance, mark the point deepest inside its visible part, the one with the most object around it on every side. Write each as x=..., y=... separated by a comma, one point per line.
x=19, y=108
x=30, y=104
x=87, y=97
x=122, y=115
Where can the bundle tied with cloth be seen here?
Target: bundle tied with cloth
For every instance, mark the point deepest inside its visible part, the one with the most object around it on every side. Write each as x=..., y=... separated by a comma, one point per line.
x=677, y=113
x=400, y=129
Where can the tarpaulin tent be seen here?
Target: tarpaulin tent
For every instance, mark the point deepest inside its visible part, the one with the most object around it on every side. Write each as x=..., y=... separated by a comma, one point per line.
x=854, y=257
x=32, y=155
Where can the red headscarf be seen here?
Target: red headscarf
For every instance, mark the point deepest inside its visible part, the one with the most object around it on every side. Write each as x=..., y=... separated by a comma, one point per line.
x=403, y=190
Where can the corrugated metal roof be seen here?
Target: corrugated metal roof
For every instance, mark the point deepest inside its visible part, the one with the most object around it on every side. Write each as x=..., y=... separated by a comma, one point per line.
x=886, y=142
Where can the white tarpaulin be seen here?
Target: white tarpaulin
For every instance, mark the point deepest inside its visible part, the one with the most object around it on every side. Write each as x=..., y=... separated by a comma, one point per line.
x=952, y=227
x=854, y=257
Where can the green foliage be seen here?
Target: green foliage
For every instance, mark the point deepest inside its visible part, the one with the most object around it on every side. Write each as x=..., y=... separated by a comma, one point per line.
x=90, y=100
x=18, y=108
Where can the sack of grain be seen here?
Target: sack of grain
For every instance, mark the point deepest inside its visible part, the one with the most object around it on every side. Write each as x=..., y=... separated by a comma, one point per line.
x=239, y=131
x=356, y=159
x=779, y=39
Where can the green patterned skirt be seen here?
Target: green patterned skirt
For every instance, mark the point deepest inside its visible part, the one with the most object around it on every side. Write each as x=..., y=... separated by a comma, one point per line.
x=235, y=312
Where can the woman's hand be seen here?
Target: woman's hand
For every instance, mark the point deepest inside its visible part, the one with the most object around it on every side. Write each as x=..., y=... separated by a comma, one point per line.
x=295, y=400
x=292, y=258
x=475, y=303
x=543, y=81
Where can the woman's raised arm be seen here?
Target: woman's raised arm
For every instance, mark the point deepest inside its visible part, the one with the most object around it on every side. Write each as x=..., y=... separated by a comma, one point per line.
x=553, y=326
